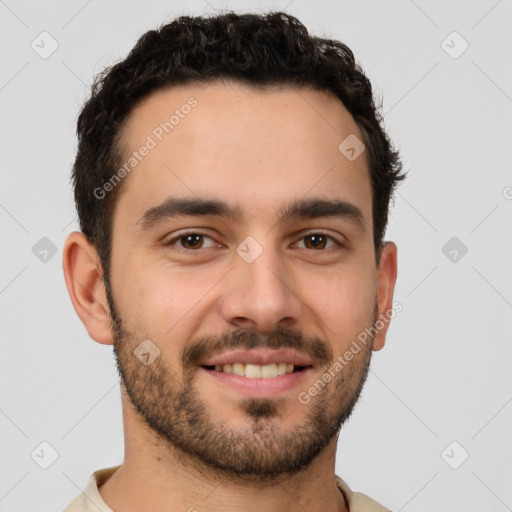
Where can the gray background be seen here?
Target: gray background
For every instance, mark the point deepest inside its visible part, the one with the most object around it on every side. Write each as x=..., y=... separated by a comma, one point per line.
x=444, y=375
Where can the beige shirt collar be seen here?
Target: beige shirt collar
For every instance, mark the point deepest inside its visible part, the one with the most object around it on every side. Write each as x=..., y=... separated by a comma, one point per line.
x=91, y=501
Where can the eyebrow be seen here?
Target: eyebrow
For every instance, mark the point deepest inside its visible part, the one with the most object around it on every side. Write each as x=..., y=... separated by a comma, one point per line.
x=315, y=208
x=184, y=206
x=301, y=209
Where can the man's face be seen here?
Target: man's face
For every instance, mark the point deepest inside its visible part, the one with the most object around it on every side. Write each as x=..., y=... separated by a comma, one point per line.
x=243, y=243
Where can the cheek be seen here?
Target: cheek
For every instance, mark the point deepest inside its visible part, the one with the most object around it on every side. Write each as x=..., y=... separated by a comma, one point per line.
x=343, y=302
x=162, y=302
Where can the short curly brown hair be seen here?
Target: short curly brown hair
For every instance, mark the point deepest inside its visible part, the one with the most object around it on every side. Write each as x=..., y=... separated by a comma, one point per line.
x=267, y=50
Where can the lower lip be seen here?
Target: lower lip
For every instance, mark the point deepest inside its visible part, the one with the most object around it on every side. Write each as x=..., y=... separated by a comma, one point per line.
x=259, y=387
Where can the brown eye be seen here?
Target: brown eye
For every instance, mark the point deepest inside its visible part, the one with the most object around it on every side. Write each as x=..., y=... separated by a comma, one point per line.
x=191, y=241
x=316, y=241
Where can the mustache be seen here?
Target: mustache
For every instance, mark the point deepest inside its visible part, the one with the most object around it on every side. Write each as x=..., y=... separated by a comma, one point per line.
x=199, y=349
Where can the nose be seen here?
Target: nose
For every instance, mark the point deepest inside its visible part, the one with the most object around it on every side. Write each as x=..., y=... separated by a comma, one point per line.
x=260, y=295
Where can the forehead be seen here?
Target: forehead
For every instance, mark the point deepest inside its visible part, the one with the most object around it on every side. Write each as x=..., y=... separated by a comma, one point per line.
x=254, y=149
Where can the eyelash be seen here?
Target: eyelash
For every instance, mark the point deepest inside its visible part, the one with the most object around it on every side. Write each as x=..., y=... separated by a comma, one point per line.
x=171, y=242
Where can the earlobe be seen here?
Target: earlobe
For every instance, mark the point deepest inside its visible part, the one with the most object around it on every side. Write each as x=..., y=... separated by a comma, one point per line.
x=386, y=279
x=83, y=276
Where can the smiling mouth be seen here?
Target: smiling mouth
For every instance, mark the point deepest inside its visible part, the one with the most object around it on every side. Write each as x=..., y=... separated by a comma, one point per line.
x=256, y=371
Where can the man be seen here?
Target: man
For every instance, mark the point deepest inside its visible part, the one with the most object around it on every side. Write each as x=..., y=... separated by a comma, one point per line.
x=232, y=181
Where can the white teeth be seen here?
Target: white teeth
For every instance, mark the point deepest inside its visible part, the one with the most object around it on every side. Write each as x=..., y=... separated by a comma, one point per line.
x=239, y=369
x=253, y=371
x=256, y=371
x=269, y=371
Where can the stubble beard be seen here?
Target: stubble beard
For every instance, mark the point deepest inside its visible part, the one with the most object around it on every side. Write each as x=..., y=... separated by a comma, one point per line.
x=260, y=452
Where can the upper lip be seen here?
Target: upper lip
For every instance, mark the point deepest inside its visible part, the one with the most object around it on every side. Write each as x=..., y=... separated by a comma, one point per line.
x=260, y=356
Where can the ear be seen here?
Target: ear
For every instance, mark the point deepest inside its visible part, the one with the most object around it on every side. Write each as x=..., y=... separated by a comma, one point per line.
x=84, y=279
x=386, y=279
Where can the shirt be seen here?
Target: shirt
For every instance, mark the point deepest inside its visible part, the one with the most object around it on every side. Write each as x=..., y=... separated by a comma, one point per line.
x=91, y=501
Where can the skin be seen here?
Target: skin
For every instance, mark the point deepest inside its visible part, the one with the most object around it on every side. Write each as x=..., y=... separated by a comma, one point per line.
x=259, y=150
